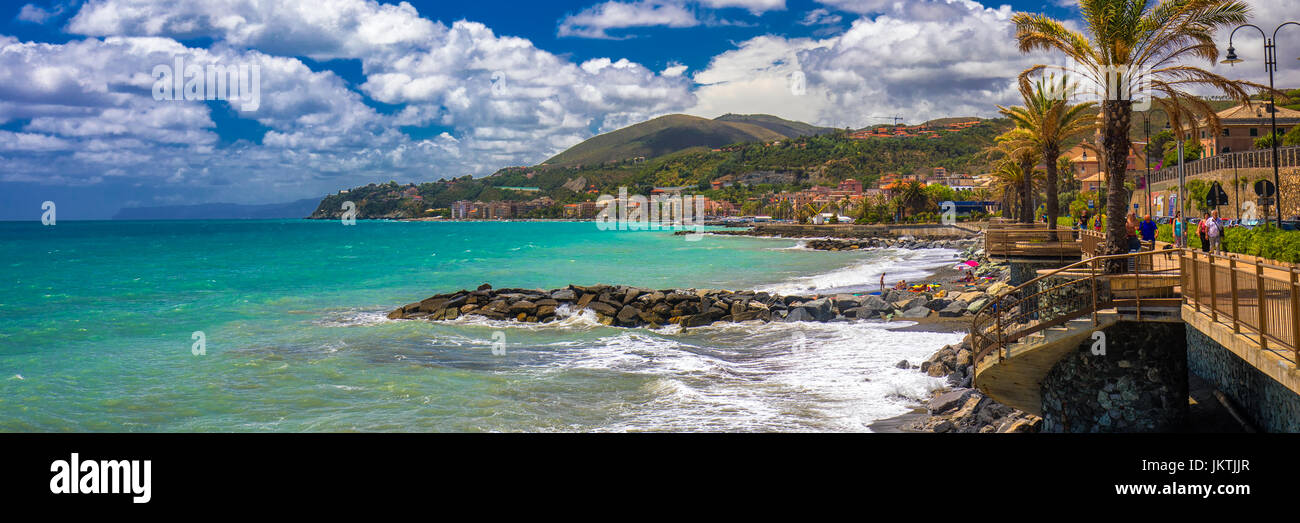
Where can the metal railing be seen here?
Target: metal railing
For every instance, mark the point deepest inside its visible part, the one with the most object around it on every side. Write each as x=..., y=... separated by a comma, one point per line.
x=1259, y=298
x=1075, y=291
x=1260, y=158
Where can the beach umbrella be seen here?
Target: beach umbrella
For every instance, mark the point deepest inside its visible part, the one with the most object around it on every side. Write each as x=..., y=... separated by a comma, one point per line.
x=972, y=263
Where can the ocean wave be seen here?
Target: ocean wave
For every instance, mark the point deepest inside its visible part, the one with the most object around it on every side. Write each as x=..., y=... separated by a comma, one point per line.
x=894, y=264
x=352, y=318
x=777, y=376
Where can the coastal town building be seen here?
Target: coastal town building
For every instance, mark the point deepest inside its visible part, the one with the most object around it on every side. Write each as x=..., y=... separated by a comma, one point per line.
x=499, y=210
x=914, y=131
x=1244, y=124
x=1086, y=165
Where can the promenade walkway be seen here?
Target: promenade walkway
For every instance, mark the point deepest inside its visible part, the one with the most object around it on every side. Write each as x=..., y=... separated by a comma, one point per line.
x=1248, y=305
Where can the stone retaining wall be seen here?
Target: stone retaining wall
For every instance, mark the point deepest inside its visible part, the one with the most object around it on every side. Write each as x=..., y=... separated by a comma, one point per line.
x=867, y=231
x=1138, y=385
x=1270, y=405
x=1290, y=177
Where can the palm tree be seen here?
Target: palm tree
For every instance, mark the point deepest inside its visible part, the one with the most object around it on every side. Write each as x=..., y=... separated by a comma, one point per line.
x=1018, y=146
x=1051, y=123
x=1130, y=43
x=1009, y=185
x=911, y=195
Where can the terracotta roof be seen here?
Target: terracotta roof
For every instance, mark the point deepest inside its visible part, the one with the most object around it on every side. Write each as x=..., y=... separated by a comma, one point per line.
x=1098, y=177
x=1255, y=114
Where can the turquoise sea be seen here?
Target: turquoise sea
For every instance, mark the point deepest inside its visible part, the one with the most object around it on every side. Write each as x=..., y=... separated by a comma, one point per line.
x=98, y=323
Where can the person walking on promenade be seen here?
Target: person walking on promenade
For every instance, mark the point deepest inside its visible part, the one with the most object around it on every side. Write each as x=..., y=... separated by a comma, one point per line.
x=1148, y=230
x=1180, y=230
x=1130, y=228
x=1200, y=231
x=1214, y=231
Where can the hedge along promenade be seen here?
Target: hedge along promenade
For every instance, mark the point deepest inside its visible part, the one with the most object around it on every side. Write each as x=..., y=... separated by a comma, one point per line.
x=1264, y=242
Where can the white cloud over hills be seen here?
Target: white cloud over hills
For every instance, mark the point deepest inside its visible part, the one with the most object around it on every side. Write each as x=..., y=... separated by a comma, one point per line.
x=81, y=112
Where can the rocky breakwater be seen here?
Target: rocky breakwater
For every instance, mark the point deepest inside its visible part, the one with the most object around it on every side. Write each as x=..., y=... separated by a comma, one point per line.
x=960, y=408
x=624, y=306
x=904, y=242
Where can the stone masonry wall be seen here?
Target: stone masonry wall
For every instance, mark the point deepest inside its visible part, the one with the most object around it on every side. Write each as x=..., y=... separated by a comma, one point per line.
x=1271, y=406
x=1023, y=271
x=1139, y=385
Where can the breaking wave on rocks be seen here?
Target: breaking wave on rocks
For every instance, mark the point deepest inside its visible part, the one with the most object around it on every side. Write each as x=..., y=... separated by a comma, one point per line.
x=864, y=276
x=838, y=376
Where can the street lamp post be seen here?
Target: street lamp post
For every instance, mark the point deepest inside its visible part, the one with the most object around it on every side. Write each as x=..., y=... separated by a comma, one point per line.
x=1270, y=64
x=1146, y=157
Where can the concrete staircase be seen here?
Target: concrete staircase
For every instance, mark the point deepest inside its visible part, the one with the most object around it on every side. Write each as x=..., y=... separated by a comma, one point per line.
x=1015, y=379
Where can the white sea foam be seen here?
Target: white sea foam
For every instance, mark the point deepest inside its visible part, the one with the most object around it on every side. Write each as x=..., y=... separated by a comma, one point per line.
x=352, y=318
x=895, y=264
x=755, y=376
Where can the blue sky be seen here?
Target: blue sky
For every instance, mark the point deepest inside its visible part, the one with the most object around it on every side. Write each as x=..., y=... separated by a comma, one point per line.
x=356, y=91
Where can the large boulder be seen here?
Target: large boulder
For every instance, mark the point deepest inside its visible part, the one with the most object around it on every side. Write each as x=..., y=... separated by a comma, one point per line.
x=602, y=308
x=845, y=302
x=916, y=313
x=698, y=320
x=820, y=309
x=799, y=314
x=564, y=295
x=524, y=306
x=911, y=302
x=949, y=400
x=999, y=288
x=628, y=314
x=938, y=304
x=874, y=303
x=978, y=304
x=953, y=310
x=861, y=313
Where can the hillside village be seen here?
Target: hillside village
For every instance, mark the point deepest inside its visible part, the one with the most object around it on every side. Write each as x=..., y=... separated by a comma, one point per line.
x=885, y=172
x=817, y=170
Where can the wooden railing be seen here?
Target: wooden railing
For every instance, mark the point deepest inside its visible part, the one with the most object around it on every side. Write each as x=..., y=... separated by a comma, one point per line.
x=1006, y=240
x=1260, y=158
x=1259, y=298
x=1072, y=292
x=1091, y=242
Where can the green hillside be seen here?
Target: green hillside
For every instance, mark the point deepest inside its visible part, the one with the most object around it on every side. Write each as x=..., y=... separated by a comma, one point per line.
x=660, y=136
x=788, y=128
x=823, y=159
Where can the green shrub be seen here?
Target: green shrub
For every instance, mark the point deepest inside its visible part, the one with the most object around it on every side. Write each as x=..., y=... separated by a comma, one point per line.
x=1165, y=233
x=1265, y=242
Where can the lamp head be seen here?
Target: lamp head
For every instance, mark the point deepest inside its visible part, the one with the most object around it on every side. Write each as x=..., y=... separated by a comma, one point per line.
x=1232, y=56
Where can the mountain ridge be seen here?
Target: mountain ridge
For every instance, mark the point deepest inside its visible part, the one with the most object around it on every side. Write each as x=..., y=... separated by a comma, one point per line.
x=662, y=136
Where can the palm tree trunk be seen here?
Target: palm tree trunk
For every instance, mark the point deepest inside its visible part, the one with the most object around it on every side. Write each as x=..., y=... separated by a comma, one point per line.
x=1050, y=154
x=1116, y=117
x=1027, y=193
